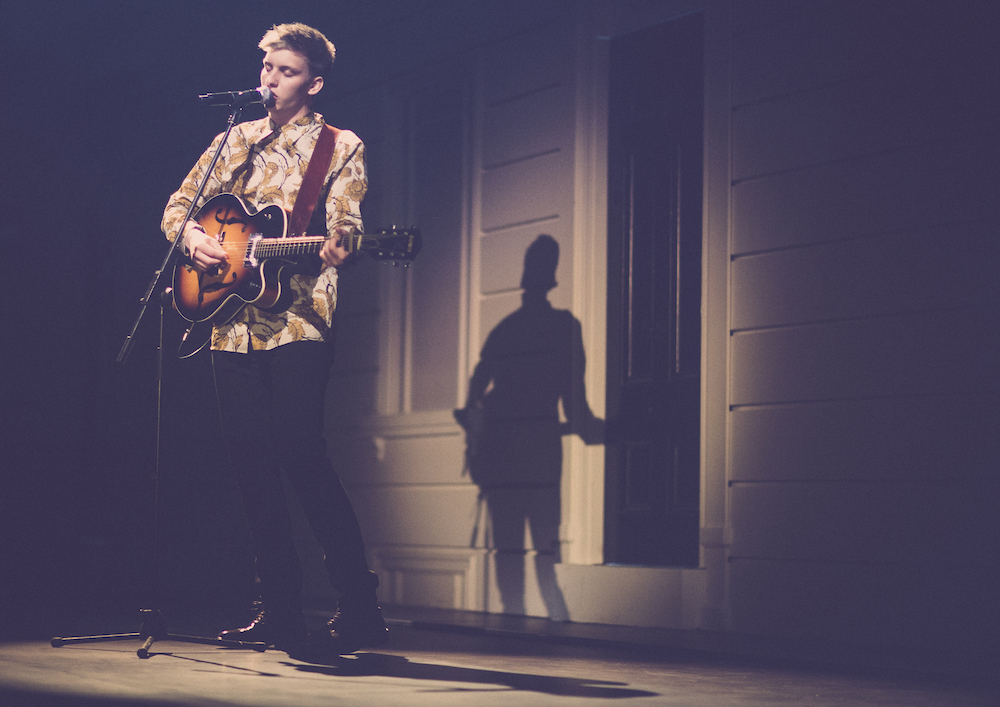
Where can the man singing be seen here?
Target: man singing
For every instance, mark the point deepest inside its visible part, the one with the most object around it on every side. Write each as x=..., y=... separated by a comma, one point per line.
x=271, y=368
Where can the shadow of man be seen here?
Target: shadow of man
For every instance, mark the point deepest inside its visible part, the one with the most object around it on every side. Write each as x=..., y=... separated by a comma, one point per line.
x=531, y=363
x=468, y=680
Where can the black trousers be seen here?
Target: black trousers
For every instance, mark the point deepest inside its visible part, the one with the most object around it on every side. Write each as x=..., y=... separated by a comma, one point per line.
x=271, y=404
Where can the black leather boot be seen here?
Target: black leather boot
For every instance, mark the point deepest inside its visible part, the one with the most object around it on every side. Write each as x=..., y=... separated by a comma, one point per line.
x=284, y=629
x=356, y=625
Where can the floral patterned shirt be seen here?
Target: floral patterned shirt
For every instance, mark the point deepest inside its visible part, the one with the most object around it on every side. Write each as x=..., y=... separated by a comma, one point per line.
x=264, y=164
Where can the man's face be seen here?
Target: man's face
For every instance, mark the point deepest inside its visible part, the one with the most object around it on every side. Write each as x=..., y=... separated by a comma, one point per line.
x=286, y=73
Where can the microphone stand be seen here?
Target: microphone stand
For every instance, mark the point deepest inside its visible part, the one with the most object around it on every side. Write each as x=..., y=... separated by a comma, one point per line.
x=153, y=627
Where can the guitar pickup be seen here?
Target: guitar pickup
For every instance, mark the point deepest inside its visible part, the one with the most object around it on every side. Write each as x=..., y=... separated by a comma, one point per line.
x=250, y=259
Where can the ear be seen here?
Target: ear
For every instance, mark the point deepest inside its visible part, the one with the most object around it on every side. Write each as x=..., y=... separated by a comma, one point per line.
x=317, y=84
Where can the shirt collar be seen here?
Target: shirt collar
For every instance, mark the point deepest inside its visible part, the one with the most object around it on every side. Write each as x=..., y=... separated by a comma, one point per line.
x=296, y=126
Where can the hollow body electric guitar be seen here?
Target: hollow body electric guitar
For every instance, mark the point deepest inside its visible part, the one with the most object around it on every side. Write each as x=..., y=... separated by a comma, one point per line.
x=262, y=259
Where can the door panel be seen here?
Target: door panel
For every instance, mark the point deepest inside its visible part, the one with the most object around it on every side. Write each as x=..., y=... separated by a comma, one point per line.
x=654, y=295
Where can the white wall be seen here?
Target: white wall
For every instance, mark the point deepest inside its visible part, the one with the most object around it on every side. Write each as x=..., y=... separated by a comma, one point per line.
x=850, y=318
x=863, y=322
x=478, y=147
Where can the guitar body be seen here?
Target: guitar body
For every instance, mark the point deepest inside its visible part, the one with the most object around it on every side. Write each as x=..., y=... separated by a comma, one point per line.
x=220, y=294
x=262, y=259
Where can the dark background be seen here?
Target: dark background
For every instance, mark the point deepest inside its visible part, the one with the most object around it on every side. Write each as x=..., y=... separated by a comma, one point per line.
x=101, y=125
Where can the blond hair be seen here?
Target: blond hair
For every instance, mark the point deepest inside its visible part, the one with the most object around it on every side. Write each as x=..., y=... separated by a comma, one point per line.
x=302, y=39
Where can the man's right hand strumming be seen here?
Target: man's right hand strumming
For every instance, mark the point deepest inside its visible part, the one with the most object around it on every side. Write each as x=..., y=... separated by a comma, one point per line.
x=204, y=251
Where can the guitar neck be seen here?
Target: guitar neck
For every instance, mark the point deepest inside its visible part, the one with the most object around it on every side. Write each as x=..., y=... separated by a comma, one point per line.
x=397, y=245
x=266, y=248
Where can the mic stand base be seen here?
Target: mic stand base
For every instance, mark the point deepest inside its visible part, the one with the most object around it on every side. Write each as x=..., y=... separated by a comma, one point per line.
x=154, y=628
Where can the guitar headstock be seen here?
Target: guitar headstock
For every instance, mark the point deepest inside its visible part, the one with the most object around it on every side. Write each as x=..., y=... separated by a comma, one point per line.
x=399, y=245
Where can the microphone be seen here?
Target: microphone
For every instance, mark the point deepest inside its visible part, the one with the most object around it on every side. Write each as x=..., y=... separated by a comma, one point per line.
x=237, y=98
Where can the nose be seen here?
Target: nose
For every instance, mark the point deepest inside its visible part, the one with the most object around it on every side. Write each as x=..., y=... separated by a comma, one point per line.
x=269, y=78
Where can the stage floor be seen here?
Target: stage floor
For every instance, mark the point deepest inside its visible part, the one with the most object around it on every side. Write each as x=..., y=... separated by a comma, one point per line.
x=440, y=665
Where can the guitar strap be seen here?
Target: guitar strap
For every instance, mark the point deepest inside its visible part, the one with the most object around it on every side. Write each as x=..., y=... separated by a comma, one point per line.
x=312, y=182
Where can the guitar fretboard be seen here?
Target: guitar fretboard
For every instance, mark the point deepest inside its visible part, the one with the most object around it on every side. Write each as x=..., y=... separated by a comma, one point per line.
x=264, y=248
